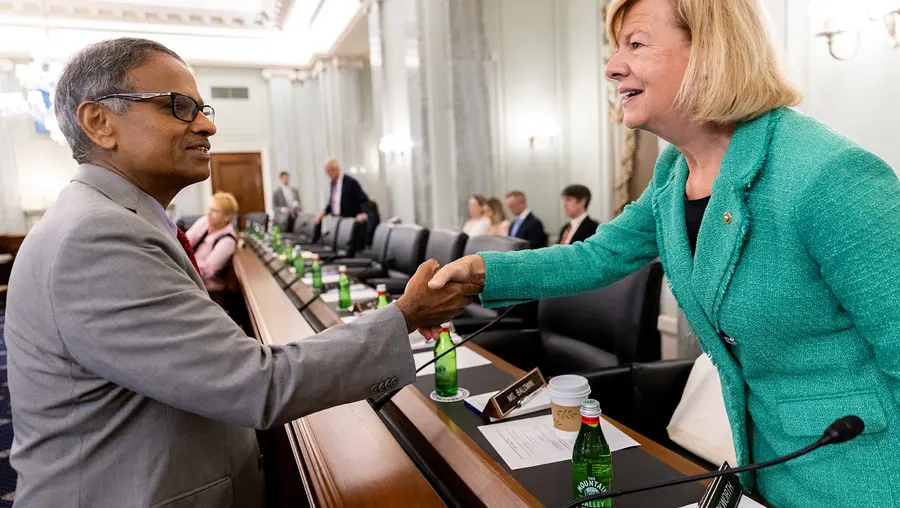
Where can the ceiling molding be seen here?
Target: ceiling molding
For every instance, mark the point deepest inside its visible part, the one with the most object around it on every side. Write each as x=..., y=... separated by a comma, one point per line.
x=271, y=18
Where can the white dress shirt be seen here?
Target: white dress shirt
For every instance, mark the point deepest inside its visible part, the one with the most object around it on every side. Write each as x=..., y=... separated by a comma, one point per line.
x=574, y=224
x=336, y=199
x=288, y=196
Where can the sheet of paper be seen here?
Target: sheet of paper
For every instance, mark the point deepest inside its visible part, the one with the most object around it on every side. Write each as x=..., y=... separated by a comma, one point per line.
x=417, y=341
x=534, y=442
x=327, y=278
x=539, y=402
x=465, y=358
x=358, y=293
x=746, y=502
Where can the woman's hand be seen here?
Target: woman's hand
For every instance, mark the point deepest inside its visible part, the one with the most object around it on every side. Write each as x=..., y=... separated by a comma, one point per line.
x=467, y=270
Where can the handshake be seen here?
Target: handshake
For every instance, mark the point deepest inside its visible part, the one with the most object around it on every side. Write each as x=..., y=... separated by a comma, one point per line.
x=434, y=295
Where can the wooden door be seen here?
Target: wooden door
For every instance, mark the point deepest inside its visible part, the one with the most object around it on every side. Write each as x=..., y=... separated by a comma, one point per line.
x=241, y=175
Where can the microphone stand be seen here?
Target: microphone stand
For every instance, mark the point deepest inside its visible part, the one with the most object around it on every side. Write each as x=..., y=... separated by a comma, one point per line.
x=843, y=429
x=379, y=403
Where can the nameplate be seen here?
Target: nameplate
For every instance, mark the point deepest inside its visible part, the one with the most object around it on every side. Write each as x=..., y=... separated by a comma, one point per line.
x=723, y=492
x=515, y=395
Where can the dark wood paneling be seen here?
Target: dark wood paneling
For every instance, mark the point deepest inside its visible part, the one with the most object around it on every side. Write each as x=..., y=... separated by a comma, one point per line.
x=241, y=175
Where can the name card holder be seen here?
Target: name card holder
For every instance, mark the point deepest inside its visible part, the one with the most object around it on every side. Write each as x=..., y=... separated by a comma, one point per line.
x=723, y=492
x=515, y=395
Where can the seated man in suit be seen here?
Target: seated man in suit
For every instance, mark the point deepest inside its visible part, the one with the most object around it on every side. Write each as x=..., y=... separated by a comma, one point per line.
x=129, y=386
x=576, y=199
x=525, y=224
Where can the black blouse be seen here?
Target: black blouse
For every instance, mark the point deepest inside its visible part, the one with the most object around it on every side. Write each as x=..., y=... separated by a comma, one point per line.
x=693, y=214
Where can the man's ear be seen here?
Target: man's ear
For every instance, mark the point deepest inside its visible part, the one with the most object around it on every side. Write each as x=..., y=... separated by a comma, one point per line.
x=97, y=122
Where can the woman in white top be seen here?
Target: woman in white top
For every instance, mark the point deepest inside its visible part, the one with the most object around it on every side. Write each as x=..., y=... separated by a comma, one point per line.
x=494, y=211
x=478, y=223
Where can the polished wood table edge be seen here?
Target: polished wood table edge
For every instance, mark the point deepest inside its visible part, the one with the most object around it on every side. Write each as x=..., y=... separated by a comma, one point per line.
x=312, y=460
x=670, y=458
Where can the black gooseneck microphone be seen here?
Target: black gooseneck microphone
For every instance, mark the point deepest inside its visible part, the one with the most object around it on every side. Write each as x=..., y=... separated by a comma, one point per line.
x=379, y=403
x=843, y=429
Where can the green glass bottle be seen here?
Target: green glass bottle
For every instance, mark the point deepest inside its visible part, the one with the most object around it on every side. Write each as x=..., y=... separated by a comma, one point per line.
x=288, y=252
x=344, y=300
x=382, y=297
x=299, y=263
x=446, y=381
x=591, y=459
x=317, y=273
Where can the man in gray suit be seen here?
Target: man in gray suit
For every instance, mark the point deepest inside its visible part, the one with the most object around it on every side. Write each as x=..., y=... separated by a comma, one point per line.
x=129, y=386
x=286, y=199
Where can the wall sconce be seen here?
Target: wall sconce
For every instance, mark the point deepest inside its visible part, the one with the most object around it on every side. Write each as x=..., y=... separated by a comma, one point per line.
x=548, y=131
x=396, y=145
x=843, y=23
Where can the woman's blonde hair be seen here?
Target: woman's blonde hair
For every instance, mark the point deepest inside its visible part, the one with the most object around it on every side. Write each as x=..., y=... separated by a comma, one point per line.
x=733, y=73
x=498, y=215
x=226, y=202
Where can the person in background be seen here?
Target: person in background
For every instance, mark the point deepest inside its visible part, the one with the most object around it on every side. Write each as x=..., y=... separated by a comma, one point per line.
x=576, y=199
x=478, y=223
x=525, y=225
x=286, y=199
x=347, y=197
x=778, y=237
x=494, y=211
x=213, y=239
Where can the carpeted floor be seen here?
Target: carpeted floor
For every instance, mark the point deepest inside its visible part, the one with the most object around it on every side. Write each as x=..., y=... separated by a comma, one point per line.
x=7, y=475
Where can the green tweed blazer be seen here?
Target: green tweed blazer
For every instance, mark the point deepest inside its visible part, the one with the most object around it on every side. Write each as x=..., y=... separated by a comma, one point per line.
x=798, y=264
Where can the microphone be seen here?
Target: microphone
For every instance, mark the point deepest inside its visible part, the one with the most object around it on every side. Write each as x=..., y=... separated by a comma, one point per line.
x=842, y=430
x=307, y=304
x=379, y=403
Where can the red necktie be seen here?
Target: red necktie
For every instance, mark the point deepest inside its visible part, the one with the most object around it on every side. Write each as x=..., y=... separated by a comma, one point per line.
x=186, y=244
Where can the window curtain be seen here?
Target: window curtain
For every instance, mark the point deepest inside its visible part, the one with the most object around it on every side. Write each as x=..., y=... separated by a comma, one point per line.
x=12, y=218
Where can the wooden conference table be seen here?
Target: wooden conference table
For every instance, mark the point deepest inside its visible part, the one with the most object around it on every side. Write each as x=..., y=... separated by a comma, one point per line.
x=415, y=452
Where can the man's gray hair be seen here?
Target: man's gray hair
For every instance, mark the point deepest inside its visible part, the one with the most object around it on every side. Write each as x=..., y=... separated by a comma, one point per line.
x=97, y=70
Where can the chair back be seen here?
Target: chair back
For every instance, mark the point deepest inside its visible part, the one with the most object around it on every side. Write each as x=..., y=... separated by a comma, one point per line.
x=491, y=243
x=282, y=220
x=445, y=245
x=348, y=231
x=305, y=225
x=329, y=233
x=380, y=241
x=261, y=219
x=406, y=249
x=620, y=319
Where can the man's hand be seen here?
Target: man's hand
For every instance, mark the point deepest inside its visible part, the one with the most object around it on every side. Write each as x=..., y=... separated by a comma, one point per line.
x=361, y=217
x=469, y=270
x=320, y=217
x=427, y=308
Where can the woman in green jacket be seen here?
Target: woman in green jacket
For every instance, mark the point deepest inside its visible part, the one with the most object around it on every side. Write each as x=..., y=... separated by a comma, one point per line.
x=780, y=238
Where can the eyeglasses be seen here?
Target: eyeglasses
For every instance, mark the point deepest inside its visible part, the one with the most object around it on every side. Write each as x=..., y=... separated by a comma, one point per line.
x=184, y=107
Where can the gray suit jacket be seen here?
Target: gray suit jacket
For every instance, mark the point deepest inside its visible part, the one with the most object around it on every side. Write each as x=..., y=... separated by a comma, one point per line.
x=131, y=388
x=278, y=200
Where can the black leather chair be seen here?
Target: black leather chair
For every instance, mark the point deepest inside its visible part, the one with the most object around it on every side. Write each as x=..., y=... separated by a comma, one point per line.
x=343, y=240
x=445, y=245
x=643, y=396
x=370, y=267
x=405, y=252
x=303, y=229
x=186, y=221
x=283, y=221
x=261, y=219
x=475, y=316
x=326, y=241
x=608, y=327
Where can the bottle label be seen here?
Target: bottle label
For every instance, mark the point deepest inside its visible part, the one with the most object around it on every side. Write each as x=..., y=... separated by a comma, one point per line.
x=593, y=421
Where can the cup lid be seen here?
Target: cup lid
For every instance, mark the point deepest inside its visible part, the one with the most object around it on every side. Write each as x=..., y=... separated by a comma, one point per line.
x=569, y=385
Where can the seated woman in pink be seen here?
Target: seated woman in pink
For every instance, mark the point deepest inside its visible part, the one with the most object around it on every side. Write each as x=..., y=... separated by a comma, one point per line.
x=214, y=239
